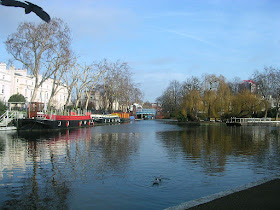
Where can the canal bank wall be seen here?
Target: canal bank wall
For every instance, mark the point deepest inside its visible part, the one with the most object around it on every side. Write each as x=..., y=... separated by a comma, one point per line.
x=263, y=194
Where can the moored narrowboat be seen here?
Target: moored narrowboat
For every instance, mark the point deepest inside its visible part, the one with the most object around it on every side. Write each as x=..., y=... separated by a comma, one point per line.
x=38, y=120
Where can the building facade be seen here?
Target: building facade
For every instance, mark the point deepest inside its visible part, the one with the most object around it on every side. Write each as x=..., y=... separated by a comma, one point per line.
x=17, y=81
x=250, y=85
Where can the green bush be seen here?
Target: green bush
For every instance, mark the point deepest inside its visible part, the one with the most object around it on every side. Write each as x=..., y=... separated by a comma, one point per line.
x=17, y=98
x=181, y=117
x=3, y=108
x=272, y=112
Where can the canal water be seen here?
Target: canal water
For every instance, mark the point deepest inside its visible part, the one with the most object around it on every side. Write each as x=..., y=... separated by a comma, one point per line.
x=113, y=166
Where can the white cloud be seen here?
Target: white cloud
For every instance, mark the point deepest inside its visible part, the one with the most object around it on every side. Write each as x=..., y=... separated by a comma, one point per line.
x=189, y=36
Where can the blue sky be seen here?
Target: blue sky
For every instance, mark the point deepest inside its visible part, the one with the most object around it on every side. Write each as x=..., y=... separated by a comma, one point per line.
x=165, y=40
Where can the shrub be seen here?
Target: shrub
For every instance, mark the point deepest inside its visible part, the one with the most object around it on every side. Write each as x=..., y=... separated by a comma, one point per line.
x=17, y=98
x=3, y=108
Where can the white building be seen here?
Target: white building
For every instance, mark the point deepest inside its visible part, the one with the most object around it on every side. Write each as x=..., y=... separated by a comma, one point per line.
x=13, y=81
x=137, y=106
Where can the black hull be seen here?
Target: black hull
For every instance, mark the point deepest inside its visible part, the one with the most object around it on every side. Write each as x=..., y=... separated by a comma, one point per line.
x=45, y=124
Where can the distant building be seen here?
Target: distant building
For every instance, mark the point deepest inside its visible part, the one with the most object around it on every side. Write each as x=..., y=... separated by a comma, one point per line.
x=134, y=107
x=13, y=81
x=250, y=85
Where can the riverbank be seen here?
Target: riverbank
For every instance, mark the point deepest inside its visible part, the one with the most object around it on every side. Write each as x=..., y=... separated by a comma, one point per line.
x=263, y=194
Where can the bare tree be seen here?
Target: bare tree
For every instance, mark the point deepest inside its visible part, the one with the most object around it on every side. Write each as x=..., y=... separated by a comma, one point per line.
x=61, y=70
x=234, y=85
x=40, y=48
x=172, y=98
x=136, y=96
x=70, y=78
x=83, y=81
x=114, y=83
x=94, y=77
x=192, y=83
x=129, y=92
x=274, y=76
x=266, y=83
x=88, y=77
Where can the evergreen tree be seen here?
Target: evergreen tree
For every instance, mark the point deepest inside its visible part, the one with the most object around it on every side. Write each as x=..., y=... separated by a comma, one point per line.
x=17, y=98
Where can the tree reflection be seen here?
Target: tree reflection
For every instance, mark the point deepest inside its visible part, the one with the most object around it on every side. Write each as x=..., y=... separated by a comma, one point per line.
x=50, y=162
x=114, y=151
x=2, y=145
x=37, y=189
x=211, y=146
x=267, y=159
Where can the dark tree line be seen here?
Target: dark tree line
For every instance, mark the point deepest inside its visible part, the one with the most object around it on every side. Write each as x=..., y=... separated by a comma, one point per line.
x=212, y=96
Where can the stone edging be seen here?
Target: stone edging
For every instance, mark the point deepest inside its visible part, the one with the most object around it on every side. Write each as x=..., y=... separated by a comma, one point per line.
x=209, y=198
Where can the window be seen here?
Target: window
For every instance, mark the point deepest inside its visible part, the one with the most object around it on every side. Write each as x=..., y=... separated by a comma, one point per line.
x=3, y=76
x=3, y=88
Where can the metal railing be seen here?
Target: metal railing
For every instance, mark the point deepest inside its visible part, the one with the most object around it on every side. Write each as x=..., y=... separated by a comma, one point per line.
x=249, y=120
x=8, y=116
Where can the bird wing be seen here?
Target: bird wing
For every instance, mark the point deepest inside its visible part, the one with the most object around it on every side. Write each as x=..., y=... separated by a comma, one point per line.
x=13, y=3
x=34, y=5
x=38, y=11
x=42, y=14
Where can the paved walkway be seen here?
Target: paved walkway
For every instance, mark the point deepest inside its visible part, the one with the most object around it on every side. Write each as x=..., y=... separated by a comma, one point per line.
x=261, y=195
x=264, y=196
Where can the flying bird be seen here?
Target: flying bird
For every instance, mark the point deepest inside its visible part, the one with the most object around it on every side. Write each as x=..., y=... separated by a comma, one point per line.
x=29, y=7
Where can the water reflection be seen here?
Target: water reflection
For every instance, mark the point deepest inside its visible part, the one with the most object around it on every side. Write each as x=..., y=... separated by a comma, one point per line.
x=86, y=168
x=31, y=177
x=213, y=146
x=38, y=169
x=115, y=149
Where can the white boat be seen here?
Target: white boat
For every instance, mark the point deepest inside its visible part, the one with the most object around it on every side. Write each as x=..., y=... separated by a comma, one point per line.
x=105, y=118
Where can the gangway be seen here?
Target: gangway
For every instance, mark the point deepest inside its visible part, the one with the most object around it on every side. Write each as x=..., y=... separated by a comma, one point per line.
x=7, y=118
